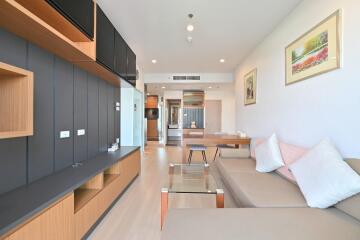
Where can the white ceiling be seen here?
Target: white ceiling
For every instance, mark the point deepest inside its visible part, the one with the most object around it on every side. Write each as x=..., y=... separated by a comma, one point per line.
x=157, y=89
x=229, y=29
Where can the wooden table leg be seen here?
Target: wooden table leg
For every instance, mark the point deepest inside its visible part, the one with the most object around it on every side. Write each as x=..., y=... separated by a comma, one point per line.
x=164, y=205
x=184, y=153
x=219, y=198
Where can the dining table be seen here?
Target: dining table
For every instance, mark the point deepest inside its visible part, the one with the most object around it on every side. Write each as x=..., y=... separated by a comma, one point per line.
x=210, y=140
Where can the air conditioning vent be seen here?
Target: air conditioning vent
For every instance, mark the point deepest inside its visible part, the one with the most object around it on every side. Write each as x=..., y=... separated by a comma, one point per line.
x=184, y=78
x=192, y=77
x=179, y=77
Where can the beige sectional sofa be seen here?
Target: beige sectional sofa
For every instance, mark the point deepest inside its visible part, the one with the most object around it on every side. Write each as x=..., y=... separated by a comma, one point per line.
x=270, y=207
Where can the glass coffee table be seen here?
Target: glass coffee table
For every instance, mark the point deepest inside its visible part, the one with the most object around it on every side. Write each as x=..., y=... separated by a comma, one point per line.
x=193, y=179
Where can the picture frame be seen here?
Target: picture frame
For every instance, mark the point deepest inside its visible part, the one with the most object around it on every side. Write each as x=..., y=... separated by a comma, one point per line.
x=315, y=52
x=250, y=87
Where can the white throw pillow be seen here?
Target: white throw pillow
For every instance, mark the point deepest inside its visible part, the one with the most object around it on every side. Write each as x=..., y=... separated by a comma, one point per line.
x=268, y=155
x=324, y=177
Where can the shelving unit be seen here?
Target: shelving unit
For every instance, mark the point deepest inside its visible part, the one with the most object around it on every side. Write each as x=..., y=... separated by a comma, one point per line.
x=47, y=13
x=87, y=191
x=83, y=196
x=57, y=35
x=16, y=101
x=109, y=178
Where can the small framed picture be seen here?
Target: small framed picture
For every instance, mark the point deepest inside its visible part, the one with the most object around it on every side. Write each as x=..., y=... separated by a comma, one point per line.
x=250, y=87
x=316, y=52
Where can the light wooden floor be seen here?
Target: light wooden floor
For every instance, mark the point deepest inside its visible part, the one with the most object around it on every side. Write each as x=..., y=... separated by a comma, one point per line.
x=136, y=216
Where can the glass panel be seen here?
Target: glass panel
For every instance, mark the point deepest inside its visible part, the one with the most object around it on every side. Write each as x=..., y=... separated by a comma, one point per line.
x=194, y=178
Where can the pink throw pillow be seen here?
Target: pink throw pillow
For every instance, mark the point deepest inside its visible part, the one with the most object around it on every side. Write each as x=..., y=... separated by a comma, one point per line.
x=254, y=143
x=290, y=153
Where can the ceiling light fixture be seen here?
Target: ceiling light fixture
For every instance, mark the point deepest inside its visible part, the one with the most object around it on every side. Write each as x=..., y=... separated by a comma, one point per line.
x=189, y=39
x=163, y=87
x=190, y=26
x=154, y=61
x=210, y=87
x=222, y=60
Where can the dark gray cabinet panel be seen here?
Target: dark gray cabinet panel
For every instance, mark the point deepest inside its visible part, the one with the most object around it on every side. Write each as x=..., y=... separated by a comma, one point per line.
x=120, y=56
x=117, y=114
x=105, y=41
x=93, y=116
x=80, y=114
x=80, y=13
x=13, y=163
x=64, y=104
x=111, y=115
x=12, y=151
x=103, y=109
x=41, y=144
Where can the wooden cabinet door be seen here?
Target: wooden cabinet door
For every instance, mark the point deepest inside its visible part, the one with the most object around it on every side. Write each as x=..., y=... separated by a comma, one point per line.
x=56, y=223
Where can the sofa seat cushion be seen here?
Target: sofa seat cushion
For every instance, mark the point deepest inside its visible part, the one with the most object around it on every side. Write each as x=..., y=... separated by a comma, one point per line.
x=228, y=165
x=241, y=152
x=256, y=224
x=263, y=190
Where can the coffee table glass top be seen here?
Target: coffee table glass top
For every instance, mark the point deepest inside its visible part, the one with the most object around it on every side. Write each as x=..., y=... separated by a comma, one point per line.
x=194, y=178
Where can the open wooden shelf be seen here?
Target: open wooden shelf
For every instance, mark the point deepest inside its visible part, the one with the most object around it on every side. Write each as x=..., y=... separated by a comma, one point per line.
x=109, y=178
x=53, y=32
x=16, y=101
x=83, y=196
x=19, y=20
x=52, y=17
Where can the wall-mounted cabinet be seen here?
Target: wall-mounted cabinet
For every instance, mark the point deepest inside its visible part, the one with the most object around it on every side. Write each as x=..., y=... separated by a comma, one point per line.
x=77, y=31
x=131, y=65
x=16, y=101
x=105, y=42
x=79, y=12
x=120, y=56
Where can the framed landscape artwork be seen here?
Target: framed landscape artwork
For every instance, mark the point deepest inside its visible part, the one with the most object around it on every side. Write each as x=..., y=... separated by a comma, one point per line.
x=250, y=87
x=316, y=52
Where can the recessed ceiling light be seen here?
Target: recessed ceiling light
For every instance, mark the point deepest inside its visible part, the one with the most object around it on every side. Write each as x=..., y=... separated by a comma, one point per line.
x=163, y=87
x=210, y=87
x=222, y=60
x=189, y=39
x=190, y=28
x=154, y=61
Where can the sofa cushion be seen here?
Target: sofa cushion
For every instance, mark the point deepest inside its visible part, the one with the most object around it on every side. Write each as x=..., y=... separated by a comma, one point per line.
x=351, y=205
x=256, y=224
x=290, y=153
x=227, y=165
x=263, y=190
x=241, y=152
x=268, y=155
x=324, y=177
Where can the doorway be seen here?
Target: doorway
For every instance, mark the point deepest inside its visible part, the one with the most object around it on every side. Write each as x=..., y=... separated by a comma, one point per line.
x=173, y=122
x=213, y=113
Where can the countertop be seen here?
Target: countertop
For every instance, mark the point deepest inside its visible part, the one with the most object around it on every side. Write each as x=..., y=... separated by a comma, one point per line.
x=23, y=203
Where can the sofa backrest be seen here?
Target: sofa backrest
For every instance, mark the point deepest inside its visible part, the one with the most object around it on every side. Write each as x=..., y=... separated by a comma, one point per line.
x=351, y=205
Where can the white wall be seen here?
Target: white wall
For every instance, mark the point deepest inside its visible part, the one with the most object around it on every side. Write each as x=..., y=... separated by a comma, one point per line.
x=228, y=108
x=140, y=82
x=305, y=112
